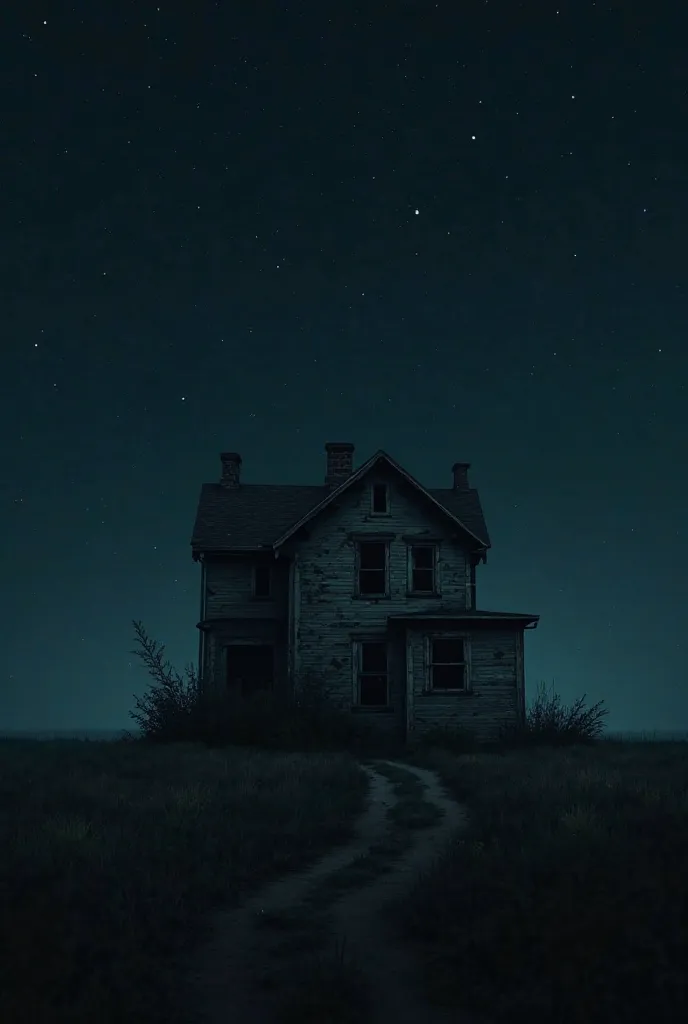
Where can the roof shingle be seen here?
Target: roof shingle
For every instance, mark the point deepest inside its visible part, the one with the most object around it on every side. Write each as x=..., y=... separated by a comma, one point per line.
x=252, y=516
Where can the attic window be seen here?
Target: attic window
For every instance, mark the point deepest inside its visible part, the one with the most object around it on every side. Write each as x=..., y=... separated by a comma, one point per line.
x=380, y=499
x=261, y=580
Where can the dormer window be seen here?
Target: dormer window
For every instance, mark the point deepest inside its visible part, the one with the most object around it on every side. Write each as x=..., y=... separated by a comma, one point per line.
x=261, y=580
x=380, y=499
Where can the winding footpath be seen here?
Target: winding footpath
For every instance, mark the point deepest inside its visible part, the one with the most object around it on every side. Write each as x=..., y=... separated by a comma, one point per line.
x=225, y=975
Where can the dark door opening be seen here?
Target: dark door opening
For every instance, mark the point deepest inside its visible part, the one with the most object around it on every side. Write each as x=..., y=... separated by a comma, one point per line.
x=250, y=667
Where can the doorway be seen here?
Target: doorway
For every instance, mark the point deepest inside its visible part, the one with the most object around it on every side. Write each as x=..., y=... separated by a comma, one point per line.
x=250, y=668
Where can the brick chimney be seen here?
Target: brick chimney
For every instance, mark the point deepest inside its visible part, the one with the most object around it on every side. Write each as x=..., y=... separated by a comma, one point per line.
x=231, y=470
x=460, y=473
x=340, y=462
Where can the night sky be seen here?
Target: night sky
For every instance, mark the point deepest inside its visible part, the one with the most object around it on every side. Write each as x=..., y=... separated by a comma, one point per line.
x=454, y=231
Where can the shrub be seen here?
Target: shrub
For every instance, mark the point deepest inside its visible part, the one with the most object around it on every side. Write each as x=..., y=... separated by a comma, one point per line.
x=549, y=724
x=168, y=711
x=176, y=710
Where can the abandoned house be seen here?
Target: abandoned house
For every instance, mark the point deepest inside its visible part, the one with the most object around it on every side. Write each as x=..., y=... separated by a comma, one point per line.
x=366, y=582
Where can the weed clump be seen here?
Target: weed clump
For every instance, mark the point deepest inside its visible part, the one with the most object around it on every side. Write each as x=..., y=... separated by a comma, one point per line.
x=549, y=724
x=177, y=709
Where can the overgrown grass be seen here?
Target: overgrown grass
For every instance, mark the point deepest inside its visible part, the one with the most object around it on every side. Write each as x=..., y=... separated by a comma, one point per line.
x=567, y=900
x=113, y=855
x=326, y=989
x=313, y=983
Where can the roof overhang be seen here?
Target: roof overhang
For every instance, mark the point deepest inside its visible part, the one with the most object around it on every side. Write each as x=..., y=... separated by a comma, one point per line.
x=379, y=456
x=520, y=620
x=199, y=554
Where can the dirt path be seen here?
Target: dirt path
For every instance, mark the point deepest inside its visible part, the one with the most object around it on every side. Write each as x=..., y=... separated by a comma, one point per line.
x=228, y=977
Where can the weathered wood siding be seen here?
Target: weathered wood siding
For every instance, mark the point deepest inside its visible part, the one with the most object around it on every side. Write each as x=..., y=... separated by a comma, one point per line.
x=330, y=615
x=242, y=618
x=492, y=695
x=229, y=589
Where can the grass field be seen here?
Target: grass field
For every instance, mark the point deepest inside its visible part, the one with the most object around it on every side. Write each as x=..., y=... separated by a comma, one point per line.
x=568, y=899
x=113, y=853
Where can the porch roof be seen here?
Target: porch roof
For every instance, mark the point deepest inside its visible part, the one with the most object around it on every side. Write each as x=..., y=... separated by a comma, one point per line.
x=520, y=619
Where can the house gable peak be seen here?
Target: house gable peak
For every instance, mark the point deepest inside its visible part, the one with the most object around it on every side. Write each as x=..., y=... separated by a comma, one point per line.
x=379, y=456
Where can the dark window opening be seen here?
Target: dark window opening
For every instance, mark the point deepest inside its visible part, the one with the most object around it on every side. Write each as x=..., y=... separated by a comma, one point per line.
x=250, y=667
x=372, y=674
x=380, y=498
x=447, y=664
x=372, y=572
x=261, y=580
x=423, y=569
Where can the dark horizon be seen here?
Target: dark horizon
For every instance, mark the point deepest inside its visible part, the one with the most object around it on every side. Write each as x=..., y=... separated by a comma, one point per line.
x=453, y=234
x=657, y=735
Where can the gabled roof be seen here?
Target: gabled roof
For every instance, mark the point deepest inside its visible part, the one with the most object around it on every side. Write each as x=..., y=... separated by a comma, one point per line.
x=367, y=466
x=252, y=517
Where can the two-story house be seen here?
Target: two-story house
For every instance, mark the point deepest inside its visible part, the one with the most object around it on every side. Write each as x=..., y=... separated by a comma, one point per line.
x=368, y=583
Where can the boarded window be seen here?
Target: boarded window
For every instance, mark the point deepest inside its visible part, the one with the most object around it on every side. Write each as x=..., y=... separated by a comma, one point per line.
x=423, y=569
x=373, y=690
x=261, y=580
x=372, y=568
x=380, y=502
x=447, y=663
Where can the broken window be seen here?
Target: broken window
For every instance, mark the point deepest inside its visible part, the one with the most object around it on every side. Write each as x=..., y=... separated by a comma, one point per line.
x=372, y=567
x=447, y=663
x=261, y=580
x=380, y=499
x=372, y=673
x=423, y=569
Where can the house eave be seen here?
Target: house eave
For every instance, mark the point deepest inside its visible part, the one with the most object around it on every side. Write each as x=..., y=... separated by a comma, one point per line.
x=199, y=553
x=223, y=620
x=521, y=620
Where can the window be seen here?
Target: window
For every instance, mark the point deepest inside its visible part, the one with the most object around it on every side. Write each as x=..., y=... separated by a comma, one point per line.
x=422, y=569
x=250, y=667
x=371, y=673
x=373, y=558
x=261, y=580
x=380, y=499
x=448, y=667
